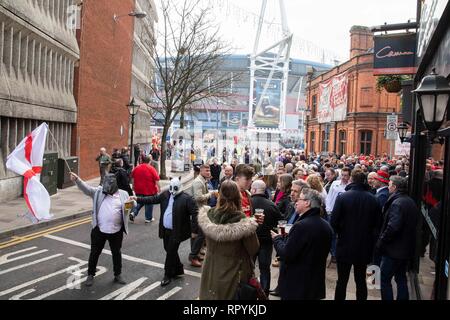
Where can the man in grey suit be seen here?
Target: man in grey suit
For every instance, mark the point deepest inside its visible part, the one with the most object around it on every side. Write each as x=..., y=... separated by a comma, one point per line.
x=109, y=222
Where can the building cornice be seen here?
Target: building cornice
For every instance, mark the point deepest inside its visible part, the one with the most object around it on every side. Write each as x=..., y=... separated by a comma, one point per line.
x=346, y=66
x=359, y=67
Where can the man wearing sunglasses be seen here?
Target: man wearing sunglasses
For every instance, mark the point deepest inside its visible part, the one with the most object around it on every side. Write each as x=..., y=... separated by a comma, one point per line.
x=177, y=223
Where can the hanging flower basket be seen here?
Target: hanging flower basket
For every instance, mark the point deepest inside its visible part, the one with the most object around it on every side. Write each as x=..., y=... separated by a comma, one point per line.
x=391, y=83
x=393, y=86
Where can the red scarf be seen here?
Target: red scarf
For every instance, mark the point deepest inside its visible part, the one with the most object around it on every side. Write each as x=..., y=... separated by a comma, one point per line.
x=279, y=196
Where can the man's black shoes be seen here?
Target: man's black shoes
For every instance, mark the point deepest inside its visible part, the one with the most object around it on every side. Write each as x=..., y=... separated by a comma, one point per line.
x=118, y=279
x=165, y=281
x=89, y=281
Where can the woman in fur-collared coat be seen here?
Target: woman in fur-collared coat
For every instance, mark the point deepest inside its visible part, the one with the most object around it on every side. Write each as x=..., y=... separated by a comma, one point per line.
x=231, y=243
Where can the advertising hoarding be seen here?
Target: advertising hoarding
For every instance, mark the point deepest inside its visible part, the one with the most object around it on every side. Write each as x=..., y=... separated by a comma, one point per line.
x=267, y=114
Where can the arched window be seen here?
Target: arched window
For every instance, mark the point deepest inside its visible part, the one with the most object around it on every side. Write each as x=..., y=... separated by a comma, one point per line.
x=313, y=141
x=324, y=141
x=314, y=106
x=365, y=142
x=326, y=138
x=342, y=142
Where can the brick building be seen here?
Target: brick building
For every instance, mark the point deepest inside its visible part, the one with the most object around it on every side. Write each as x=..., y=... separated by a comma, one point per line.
x=360, y=128
x=102, y=85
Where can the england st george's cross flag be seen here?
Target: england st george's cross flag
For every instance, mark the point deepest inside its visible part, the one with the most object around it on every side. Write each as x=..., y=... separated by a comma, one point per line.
x=26, y=160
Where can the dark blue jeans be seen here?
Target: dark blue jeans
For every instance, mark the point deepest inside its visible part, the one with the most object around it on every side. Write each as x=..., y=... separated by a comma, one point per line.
x=393, y=268
x=148, y=209
x=264, y=260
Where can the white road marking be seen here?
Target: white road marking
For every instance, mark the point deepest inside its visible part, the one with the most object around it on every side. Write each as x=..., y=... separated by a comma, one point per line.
x=20, y=295
x=75, y=243
x=64, y=287
x=30, y=263
x=26, y=292
x=4, y=258
x=169, y=294
x=123, y=292
x=29, y=283
x=148, y=289
x=124, y=256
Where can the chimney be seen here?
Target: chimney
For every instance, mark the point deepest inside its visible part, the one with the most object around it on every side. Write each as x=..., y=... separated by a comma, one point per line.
x=361, y=40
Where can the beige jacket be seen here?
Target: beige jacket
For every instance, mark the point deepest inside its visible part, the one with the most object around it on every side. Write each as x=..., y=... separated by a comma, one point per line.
x=200, y=191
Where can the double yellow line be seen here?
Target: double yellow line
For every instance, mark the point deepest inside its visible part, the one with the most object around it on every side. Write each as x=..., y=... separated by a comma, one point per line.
x=16, y=240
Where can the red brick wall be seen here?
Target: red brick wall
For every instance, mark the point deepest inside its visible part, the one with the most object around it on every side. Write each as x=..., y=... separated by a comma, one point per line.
x=361, y=39
x=103, y=81
x=362, y=98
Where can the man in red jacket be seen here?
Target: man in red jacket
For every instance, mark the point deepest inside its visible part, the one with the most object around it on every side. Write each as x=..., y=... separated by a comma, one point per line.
x=145, y=184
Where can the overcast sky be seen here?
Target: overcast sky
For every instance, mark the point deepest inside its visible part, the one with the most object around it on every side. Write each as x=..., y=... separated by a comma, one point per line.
x=325, y=23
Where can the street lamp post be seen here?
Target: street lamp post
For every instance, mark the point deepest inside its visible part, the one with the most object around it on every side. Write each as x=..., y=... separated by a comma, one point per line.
x=133, y=109
x=433, y=96
x=217, y=128
x=137, y=14
x=402, y=132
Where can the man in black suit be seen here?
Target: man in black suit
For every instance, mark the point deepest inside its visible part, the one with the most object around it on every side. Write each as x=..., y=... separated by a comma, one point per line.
x=304, y=251
x=271, y=216
x=177, y=223
x=291, y=216
x=356, y=219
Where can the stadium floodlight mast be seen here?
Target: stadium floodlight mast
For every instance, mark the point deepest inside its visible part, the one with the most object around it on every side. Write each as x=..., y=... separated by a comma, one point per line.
x=277, y=65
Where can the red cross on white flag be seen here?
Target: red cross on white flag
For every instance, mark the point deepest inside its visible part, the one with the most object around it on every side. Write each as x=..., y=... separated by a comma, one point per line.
x=26, y=160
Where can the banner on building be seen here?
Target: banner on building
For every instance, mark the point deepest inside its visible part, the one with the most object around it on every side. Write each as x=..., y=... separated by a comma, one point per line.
x=394, y=54
x=333, y=99
x=324, y=108
x=266, y=105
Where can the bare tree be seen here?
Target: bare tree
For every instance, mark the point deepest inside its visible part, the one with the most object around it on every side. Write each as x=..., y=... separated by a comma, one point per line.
x=187, y=56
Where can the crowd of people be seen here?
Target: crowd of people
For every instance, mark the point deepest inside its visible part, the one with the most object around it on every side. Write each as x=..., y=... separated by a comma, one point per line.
x=309, y=211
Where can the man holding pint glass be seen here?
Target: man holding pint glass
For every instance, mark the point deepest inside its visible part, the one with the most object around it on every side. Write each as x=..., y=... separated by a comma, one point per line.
x=267, y=211
x=304, y=251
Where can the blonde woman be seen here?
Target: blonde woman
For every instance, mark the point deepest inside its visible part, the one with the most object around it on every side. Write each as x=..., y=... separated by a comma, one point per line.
x=316, y=184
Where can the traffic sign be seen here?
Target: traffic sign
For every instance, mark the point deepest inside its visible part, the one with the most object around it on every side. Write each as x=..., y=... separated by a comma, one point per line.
x=391, y=132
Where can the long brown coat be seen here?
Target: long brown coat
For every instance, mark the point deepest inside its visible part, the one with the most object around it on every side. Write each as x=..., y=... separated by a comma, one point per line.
x=230, y=246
